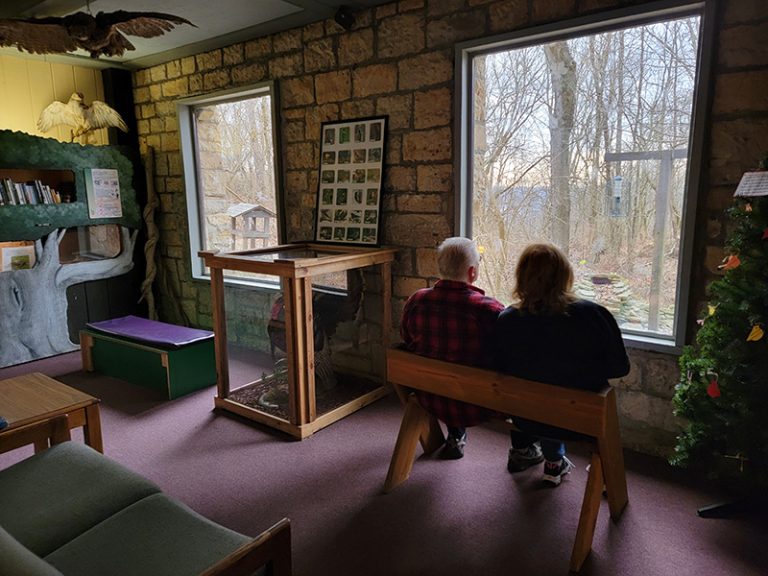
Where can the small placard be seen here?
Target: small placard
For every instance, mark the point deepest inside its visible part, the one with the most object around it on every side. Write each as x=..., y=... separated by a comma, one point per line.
x=103, y=188
x=753, y=184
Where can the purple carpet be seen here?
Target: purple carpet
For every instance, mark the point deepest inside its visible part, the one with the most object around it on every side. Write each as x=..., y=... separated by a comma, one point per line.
x=468, y=517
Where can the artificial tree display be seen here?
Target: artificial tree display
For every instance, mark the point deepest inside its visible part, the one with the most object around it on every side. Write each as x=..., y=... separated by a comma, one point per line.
x=723, y=389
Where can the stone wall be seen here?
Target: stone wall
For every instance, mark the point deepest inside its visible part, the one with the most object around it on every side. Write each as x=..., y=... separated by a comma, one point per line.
x=398, y=60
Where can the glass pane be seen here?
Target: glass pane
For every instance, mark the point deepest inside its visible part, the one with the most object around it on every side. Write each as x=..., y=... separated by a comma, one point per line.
x=236, y=180
x=97, y=242
x=258, y=368
x=346, y=343
x=584, y=143
x=347, y=337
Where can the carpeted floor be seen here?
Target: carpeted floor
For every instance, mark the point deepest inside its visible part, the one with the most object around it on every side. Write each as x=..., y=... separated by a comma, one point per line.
x=466, y=517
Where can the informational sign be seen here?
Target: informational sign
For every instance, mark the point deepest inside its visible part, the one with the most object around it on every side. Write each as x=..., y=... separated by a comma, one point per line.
x=753, y=184
x=103, y=189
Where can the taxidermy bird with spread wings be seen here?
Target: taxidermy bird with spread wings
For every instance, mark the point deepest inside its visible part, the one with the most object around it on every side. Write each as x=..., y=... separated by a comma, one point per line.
x=81, y=117
x=100, y=34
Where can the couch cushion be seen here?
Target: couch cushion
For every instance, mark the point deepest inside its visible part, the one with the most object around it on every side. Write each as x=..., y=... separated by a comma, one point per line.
x=59, y=493
x=156, y=536
x=17, y=560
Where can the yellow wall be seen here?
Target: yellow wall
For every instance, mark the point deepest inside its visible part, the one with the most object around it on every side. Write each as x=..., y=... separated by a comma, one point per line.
x=27, y=86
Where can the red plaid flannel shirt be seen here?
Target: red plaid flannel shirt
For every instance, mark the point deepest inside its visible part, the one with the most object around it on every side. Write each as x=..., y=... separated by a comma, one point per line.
x=453, y=321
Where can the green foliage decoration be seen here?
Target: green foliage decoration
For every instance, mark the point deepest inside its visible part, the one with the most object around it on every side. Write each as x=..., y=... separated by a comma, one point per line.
x=726, y=436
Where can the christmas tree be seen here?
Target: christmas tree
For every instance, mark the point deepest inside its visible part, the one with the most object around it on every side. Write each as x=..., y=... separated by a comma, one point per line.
x=723, y=389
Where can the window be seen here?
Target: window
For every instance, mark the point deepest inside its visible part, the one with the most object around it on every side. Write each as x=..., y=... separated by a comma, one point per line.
x=582, y=136
x=231, y=170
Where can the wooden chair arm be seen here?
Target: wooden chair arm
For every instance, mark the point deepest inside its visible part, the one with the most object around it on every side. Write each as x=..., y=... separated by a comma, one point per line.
x=273, y=547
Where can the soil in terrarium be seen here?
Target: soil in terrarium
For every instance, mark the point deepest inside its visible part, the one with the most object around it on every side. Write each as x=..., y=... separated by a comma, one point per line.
x=270, y=395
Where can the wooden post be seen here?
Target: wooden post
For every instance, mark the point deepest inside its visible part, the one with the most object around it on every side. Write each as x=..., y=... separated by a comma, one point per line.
x=86, y=354
x=299, y=341
x=309, y=347
x=220, y=332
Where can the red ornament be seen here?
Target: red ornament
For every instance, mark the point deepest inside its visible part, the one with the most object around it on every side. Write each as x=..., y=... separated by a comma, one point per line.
x=765, y=234
x=713, y=390
x=731, y=262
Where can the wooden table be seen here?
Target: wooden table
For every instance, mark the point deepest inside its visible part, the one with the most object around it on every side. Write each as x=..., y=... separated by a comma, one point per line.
x=296, y=265
x=29, y=400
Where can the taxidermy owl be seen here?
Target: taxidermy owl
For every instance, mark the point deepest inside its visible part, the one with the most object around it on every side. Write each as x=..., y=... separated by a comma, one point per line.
x=81, y=117
x=100, y=34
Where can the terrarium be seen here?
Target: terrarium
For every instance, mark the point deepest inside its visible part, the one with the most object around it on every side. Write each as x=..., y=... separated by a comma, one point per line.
x=309, y=350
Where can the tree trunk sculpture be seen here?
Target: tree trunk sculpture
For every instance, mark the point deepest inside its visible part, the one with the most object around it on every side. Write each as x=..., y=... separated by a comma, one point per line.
x=33, y=303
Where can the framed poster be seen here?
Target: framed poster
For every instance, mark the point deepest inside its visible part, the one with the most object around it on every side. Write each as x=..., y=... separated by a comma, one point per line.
x=17, y=256
x=351, y=174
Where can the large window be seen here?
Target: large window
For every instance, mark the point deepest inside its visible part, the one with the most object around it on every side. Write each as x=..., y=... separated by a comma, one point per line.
x=230, y=164
x=583, y=137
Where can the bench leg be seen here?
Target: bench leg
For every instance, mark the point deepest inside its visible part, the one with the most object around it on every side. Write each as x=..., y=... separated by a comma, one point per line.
x=613, y=461
x=588, y=518
x=432, y=436
x=415, y=422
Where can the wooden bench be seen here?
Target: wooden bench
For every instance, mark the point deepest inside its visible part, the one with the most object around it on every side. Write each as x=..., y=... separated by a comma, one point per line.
x=589, y=413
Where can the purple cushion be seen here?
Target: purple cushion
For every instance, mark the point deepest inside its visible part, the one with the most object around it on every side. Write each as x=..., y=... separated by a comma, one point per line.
x=151, y=331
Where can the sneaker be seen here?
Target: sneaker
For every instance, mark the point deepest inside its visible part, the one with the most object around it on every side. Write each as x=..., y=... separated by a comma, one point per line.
x=555, y=470
x=523, y=458
x=454, y=447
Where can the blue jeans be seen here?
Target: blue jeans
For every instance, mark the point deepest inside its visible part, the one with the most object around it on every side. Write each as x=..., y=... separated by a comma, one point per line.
x=552, y=449
x=550, y=437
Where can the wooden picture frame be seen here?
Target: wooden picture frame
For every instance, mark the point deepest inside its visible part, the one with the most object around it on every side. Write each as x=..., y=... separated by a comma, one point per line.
x=348, y=209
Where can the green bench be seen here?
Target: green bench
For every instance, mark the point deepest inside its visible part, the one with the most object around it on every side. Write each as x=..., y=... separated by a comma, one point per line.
x=172, y=359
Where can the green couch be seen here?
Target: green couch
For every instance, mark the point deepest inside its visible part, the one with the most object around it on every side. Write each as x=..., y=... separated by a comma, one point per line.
x=69, y=510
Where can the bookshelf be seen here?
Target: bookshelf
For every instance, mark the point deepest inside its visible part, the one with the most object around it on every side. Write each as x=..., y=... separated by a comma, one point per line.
x=19, y=187
x=94, y=277
x=25, y=158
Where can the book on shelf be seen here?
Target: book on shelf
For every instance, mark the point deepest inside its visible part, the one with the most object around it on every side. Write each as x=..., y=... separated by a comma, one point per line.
x=29, y=192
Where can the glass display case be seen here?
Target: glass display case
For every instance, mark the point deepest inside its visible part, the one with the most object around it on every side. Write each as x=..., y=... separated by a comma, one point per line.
x=323, y=333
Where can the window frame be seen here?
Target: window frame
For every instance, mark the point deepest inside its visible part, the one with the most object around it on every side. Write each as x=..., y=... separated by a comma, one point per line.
x=185, y=109
x=594, y=24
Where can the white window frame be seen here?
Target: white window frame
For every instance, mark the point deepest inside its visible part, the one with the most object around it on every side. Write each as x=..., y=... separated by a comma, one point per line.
x=185, y=110
x=594, y=24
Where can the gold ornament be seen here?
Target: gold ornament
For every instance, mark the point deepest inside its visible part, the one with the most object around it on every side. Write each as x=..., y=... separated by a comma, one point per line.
x=755, y=334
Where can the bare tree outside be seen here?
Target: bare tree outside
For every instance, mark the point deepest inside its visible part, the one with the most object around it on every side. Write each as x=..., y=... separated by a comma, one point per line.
x=584, y=143
x=235, y=158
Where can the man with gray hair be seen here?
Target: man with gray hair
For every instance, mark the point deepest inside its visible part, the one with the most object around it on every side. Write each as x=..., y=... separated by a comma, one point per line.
x=452, y=321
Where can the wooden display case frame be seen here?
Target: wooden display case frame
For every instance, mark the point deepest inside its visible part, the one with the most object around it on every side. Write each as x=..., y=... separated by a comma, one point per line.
x=296, y=271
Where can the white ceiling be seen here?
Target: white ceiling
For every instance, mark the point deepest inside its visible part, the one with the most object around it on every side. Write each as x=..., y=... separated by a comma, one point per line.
x=219, y=23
